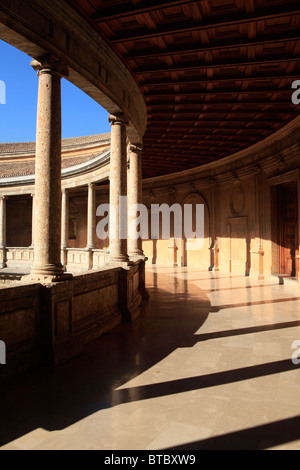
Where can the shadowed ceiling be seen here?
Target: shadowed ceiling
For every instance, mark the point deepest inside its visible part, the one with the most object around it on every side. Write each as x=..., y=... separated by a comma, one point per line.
x=216, y=75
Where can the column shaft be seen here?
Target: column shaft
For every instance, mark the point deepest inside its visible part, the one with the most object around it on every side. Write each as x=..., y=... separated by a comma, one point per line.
x=135, y=196
x=64, y=227
x=47, y=217
x=118, y=188
x=91, y=219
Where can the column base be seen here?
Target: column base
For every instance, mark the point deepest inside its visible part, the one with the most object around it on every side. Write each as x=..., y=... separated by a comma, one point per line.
x=47, y=279
x=90, y=247
x=3, y=258
x=137, y=256
x=90, y=258
x=121, y=260
x=64, y=258
x=47, y=274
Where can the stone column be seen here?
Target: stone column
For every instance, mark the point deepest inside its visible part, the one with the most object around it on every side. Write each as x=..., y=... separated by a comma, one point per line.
x=135, y=196
x=217, y=251
x=91, y=217
x=261, y=253
x=2, y=231
x=91, y=224
x=64, y=227
x=47, y=218
x=118, y=188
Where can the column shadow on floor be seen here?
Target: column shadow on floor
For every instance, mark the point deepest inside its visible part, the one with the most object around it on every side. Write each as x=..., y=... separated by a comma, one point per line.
x=261, y=437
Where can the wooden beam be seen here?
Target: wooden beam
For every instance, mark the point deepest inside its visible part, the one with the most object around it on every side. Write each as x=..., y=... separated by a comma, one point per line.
x=278, y=12
x=190, y=139
x=156, y=112
x=207, y=118
x=230, y=102
x=214, y=46
x=210, y=125
x=128, y=9
x=189, y=81
x=217, y=65
x=229, y=92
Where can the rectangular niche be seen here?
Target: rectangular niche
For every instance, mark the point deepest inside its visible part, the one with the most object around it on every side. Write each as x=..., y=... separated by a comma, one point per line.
x=239, y=262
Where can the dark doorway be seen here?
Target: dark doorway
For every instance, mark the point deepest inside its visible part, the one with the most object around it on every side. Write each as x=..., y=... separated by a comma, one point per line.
x=288, y=229
x=19, y=221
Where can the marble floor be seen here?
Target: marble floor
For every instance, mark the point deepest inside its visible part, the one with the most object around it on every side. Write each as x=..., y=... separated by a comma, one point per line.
x=208, y=365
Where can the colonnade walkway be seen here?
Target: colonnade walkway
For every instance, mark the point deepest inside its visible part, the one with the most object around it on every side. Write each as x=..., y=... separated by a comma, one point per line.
x=208, y=365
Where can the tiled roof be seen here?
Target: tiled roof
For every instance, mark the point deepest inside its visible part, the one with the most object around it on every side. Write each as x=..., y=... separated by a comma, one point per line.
x=12, y=168
x=26, y=148
x=23, y=168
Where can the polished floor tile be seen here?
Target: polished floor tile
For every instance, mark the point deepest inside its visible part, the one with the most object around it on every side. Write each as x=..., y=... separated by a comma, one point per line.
x=208, y=365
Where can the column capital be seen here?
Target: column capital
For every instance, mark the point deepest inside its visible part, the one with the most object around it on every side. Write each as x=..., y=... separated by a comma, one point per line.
x=117, y=119
x=3, y=197
x=49, y=64
x=91, y=185
x=136, y=147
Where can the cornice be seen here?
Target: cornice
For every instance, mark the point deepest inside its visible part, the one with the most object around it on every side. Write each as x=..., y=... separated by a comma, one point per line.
x=268, y=154
x=69, y=172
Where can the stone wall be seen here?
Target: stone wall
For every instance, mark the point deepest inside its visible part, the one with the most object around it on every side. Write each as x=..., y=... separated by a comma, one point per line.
x=50, y=324
x=20, y=327
x=241, y=216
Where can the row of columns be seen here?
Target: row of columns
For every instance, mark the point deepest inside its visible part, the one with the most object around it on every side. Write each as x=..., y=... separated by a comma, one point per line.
x=50, y=218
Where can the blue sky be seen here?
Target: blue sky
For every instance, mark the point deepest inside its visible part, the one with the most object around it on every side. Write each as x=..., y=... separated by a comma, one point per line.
x=80, y=114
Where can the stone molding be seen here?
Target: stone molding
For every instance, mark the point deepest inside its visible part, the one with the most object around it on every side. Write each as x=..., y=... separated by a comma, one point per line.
x=92, y=64
x=49, y=64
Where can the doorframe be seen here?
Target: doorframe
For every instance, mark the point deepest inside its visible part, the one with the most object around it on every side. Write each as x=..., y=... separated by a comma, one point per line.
x=288, y=177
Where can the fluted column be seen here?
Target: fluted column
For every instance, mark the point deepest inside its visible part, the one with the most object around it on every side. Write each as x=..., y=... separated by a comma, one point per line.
x=47, y=217
x=3, y=231
x=64, y=227
x=135, y=196
x=118, y=188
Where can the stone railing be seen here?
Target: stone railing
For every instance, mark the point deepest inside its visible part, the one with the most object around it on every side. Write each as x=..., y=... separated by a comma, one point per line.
x=19, y=257
x=78, y=259
x=49, y=324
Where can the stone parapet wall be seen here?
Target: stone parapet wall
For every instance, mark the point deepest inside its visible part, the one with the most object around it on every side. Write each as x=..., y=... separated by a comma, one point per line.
x=52, y=323
x=83, y=259
x=20, y=327
x=19, y=257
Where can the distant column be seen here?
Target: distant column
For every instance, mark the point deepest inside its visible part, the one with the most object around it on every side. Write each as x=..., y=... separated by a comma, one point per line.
x=91, y=217
x=47, y=217
x=64, y=227
x=91, y=224
x=3, y=231
x=135, y=196
x=118, y=187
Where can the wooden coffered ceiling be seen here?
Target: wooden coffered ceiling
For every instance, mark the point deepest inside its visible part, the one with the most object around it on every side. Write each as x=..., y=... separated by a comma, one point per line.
x=216, y=75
